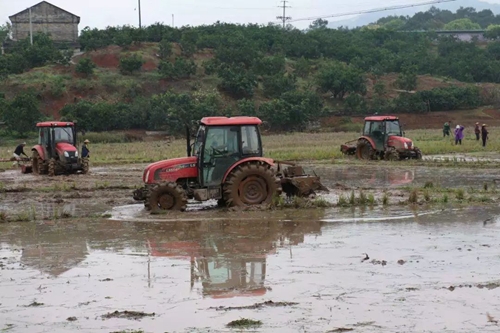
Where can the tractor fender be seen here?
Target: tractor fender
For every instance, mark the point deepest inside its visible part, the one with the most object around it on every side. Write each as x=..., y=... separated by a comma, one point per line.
x=268, y=161
x=39, y=150
x=370, y=140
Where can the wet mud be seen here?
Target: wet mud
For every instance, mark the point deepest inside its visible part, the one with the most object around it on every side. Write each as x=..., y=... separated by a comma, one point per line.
x=108, y=266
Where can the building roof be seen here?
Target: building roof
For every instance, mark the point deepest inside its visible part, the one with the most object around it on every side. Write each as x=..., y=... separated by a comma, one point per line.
x=55, y=124
x=229, y=121
x=381, y=118
x=38, y=4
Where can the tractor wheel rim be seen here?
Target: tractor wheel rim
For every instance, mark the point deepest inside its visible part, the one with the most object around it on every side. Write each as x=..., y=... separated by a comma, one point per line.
x=253, y=190
x=365, y=152
x=166, y=201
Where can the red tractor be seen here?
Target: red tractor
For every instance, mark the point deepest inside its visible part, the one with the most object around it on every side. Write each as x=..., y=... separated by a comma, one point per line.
x=56, y=151
x=227, y=165
x=382, y=138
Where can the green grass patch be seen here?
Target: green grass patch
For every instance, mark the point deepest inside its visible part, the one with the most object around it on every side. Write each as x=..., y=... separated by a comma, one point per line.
x=244, y=323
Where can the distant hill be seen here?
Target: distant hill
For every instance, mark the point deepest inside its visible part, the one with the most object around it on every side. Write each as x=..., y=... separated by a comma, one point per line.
x=365, y=19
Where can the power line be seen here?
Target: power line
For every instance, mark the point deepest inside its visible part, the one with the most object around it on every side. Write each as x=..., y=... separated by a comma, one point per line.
x=369, y=11
x=284, y=18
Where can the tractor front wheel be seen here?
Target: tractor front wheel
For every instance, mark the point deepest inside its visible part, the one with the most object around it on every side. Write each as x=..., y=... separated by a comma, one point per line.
x=52, y=167
x=250, y=184
x=364, y=150
x=167, y=196
x=418, y=153
x=391, y=154
x=38, y=165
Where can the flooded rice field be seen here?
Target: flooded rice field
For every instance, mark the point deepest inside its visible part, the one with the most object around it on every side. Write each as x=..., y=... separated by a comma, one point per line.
x=105, y=265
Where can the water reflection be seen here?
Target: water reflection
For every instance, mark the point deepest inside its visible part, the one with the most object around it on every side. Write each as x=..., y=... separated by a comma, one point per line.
x=227, y=258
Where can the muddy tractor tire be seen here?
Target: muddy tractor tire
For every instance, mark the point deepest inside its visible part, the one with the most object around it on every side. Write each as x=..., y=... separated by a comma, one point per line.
x=52, y=167
x=85, y=166
x=250, y=184
x=166, y=196
x=391, y=154
x=38, y=165
x=364, y=150
x=418, y=153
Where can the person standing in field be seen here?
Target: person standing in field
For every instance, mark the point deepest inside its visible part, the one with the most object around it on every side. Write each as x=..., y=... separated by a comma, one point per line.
x=477, y=131
x=484, y=134
x=446, y=129
x=85, y=149
x=18, y=152
x=459, y=134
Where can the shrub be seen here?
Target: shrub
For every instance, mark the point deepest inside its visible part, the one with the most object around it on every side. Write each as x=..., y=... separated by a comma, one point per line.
x=130, y=64
x=85, y=66
x=276, y=85
x=180, y=69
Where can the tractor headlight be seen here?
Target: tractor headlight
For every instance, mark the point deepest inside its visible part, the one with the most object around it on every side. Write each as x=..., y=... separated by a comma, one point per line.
x=76, y=154
x=406, y=145
x=66, y=154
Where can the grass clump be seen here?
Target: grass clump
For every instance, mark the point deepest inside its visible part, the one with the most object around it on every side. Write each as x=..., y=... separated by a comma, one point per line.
x=385, y=199
x=342, y=201
x=460, y=195
x=413, y=199
x=244, y=322
x=427, y=196
x=371, y=199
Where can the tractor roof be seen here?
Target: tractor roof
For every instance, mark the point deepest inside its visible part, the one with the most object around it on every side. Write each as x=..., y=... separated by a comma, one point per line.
x=381, y=118
x=55, y=124
x=230, y=121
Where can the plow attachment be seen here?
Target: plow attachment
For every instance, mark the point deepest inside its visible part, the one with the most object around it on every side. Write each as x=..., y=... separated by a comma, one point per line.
x=348, y=148
x=294, y=182
x=24, y=164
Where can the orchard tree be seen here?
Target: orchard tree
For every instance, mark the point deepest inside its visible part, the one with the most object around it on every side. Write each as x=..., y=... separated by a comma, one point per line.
x=462, y=24
x=341, y=79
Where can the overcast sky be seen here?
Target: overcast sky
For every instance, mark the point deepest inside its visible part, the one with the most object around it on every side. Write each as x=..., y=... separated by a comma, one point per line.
x=102, y=13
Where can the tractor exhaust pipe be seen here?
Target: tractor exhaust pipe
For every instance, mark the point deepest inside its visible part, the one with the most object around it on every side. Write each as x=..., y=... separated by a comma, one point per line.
x=188, y=141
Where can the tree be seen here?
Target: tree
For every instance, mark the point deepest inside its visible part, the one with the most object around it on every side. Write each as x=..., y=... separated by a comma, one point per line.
x=85, y=66
x=319, y=24
x=462, y=24
x=165, y=49
x=130, y=64
x=237, y=81
x=493, y=31
x=407, y=79
x=180, y=69
x=22, y=113
x=340, y=79
x=395, y=24
x=275, y=85
x=5, y=31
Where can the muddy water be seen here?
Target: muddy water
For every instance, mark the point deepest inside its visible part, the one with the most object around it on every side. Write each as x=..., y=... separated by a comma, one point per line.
x=182, y=267
x=375, y=176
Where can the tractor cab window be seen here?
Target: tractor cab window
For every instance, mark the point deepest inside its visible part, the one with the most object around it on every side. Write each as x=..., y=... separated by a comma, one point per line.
x=44, y=137
x=250, y=142
x=200, y=138
x=377, y=130
x=366, y=130
x=221, y=150
x=393, y=128
x=63, y=134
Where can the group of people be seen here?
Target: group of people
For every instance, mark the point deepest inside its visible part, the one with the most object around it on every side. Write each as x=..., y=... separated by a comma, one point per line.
x=20, y=151
x=481, y=132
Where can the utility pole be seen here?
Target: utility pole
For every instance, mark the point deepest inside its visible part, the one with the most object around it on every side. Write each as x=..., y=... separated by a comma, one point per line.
x=173, y=26
x=140, y=23
x=31, y=28
x=284, y=18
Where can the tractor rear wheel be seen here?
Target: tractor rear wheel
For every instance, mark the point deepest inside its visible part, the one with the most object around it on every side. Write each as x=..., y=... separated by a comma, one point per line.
x=418, y=153
x=85, y=165
x=52, y=167
x=166, y=196
x=364, y=150
x=250, y=184
x=391, y=154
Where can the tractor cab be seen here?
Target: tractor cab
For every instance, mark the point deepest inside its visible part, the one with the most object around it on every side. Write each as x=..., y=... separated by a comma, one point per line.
x=380, y=129
x=220, y=143
x=56, y=151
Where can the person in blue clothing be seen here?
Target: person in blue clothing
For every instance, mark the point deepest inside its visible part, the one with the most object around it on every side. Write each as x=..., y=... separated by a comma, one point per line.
x=85, y=149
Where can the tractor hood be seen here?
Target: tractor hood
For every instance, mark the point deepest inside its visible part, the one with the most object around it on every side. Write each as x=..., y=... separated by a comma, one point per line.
x=399, y=142
x=61, y=147
x=171, y=170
